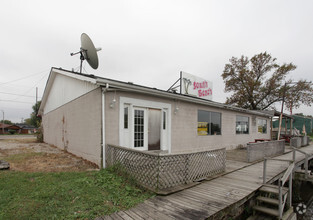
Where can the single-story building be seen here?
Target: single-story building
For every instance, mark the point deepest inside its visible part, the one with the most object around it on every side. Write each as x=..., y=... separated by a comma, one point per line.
x=6, y=129
x=83, y=113
x=26, y=129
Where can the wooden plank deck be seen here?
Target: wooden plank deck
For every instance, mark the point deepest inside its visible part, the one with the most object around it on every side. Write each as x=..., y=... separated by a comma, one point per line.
x=211, y=196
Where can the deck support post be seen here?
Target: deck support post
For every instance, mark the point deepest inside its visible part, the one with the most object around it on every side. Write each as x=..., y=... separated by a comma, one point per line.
x=290, y=190
x=264, y=170
x=306, y=166
x=280, y=206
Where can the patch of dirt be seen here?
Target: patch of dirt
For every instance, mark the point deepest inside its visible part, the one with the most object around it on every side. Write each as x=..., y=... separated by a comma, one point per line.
x=29, y=156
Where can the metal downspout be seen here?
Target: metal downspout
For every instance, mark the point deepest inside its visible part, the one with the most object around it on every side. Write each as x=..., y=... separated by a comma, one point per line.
x=103, y=126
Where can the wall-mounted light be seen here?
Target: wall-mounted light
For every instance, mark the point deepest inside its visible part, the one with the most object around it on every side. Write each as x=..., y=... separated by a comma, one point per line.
x=176, y=108
x=112, y=104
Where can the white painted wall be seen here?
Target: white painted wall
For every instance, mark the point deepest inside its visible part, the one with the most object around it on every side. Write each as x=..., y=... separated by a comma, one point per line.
x=65, y=89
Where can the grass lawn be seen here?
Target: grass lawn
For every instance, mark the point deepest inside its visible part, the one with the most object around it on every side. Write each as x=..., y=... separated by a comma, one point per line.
x=66, y=195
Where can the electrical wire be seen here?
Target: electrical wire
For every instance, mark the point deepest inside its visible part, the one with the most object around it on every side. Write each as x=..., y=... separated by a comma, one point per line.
x=32, y=96
x=1, y=100
x=24, y=77
x=30, y=88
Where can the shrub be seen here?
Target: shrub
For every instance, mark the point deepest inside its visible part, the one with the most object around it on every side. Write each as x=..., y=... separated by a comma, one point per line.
x=11, y=131
x=39, y=134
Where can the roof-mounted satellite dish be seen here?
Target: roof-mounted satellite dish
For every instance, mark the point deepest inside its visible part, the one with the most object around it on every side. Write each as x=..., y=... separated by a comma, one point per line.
x=88, y=52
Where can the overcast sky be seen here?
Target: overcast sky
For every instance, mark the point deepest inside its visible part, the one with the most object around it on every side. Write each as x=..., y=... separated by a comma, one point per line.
x=146, y=42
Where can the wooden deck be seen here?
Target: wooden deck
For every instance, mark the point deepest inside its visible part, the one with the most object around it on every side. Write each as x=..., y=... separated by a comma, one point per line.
x=211, y=196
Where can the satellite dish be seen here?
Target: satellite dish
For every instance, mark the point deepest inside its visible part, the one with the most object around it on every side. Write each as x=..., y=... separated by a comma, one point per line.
x=88, y=52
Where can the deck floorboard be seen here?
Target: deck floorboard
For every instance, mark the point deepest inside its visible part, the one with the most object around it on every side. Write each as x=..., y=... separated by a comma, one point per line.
x=212, y=195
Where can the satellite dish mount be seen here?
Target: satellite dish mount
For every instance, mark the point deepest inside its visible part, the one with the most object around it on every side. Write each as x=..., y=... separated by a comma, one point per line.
x=88, y=52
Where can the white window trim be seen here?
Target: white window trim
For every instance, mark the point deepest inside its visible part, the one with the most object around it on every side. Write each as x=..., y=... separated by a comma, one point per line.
x=133, y=103
x=257, y=126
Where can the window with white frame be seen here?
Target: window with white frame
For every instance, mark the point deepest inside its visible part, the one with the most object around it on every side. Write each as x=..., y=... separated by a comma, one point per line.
x=209, y=123
x=242, y=124
x=126, y=117
x=262, y=126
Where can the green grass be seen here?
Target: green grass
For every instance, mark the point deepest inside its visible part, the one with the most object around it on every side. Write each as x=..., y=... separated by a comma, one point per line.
x=15, y=158
x=66, y=195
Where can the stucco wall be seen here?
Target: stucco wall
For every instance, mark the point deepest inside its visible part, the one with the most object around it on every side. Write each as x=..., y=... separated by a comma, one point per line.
x=76, y=126
x=184, y=136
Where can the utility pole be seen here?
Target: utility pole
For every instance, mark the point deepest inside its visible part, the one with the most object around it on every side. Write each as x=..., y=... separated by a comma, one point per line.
x=2, y=122
x=281, y=113
x=36, y=101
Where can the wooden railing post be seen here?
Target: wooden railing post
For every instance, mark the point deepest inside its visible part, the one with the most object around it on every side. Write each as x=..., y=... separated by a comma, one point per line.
x=306, y=166
x=158, y=173
x=264, y=170
x=290, y=190
x=186, y=168
x=306, y=160
x=280, y=206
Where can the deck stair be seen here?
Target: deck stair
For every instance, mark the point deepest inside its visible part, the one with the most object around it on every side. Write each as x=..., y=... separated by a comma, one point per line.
x=272, y=199
x=267, y=201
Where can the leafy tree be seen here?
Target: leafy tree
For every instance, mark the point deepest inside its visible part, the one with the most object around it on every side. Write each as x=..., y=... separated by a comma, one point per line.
x=27, y=121
x=259, y=82
x=34, y=119
x=8, y=122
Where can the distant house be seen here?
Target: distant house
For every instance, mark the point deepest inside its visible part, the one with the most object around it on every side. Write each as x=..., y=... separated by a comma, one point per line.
x=26, y=129
x=5, y=128
x=83, y=113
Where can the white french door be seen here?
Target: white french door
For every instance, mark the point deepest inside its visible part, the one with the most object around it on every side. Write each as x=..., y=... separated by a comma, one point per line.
x=144, y=125
x=140, y=129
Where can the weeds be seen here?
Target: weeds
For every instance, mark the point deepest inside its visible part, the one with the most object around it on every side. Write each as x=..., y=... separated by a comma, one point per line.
x=64, y=195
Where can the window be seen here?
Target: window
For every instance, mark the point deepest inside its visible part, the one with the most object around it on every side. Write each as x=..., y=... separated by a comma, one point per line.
x=164, y=120
x=139, y=128
x=242, y=125
x=126, y=117
x=262, y=126
x=209, y=123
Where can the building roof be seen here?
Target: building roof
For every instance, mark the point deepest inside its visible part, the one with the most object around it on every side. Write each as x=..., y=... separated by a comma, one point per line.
x=127, y=86
x=14, y=127
x=25, y=126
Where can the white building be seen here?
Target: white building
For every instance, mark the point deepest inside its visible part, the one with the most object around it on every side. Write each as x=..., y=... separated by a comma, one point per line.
x=82, y=113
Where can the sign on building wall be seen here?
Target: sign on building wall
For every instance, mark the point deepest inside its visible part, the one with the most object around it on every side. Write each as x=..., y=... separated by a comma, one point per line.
x=195, y=86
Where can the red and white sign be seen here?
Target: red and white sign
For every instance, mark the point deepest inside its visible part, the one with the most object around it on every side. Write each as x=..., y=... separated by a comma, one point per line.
x=195, y=86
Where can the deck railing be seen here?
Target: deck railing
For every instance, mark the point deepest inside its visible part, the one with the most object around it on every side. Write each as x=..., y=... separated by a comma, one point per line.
x=281, y=182
x=162, y=171
x=306, y=160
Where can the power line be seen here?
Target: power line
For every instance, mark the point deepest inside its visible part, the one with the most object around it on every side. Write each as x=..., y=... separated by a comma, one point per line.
x=36, y=83
x=15, y=101
x=30, y=88
x=23, y=77
x=32, y=96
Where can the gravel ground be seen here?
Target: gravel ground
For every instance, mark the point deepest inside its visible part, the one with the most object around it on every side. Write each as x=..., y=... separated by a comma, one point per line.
x=25, y=154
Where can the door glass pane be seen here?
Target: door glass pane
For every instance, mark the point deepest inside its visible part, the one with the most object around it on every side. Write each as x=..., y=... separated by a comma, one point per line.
x=154, y=128
x=126, y=117
x=139, y=128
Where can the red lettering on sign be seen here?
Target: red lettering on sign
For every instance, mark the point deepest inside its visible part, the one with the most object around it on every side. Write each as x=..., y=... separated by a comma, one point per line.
x=206, y=92
x=201, y=85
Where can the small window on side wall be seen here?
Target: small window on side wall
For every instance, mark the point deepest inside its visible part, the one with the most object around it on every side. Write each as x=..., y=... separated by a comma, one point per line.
x=164, y=120
x=126, y=118
x=262, y=126
x=242, y=124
